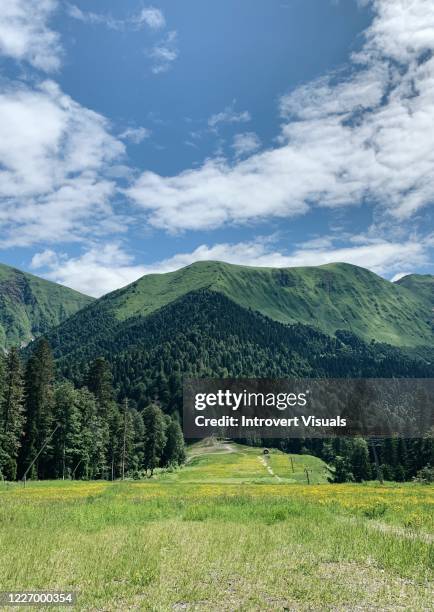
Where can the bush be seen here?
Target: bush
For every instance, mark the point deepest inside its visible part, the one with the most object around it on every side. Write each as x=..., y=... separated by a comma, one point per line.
x=425, y=475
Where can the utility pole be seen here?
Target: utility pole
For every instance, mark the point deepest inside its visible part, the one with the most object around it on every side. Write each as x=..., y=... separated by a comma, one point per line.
x=125, y=439
x=24, y=478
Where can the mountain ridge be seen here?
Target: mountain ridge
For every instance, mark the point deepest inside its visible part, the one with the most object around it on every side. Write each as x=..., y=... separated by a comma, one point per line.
x=328, y=297
x=31, y=306
x=204, y=333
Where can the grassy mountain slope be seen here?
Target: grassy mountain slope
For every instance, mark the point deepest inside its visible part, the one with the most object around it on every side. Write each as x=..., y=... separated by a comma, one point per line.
x=204, y=333
x=30, y=306
x=218, y=461
x=329, y=297
x=421, y=285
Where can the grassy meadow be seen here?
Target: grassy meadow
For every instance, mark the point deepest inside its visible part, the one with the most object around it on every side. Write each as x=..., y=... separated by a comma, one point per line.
x=232, y=530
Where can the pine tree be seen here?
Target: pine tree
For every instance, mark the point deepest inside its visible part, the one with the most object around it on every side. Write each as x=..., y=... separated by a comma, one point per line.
x=67, y=441
x=154, y=437
x=2, y=378
x=93, y=461
x=4, y=457
x=99, y=382
x=11, y=414
x=360, y=465
x=127, y=462
x=136, y=457
x=39, y=377
x=174, y=449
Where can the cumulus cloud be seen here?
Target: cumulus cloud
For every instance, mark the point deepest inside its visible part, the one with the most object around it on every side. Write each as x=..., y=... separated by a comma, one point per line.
x=152, y=16
x=99, y=270
x=25, y=34
x=363, y=134
x=229, y=115
x=135, y=135
x=105, y=268
x=245, y=144
x=164, y=53
x=53, y=157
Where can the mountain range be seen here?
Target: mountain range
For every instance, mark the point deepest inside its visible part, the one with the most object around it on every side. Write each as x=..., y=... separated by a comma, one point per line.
x=218, y=319
x=328, y=297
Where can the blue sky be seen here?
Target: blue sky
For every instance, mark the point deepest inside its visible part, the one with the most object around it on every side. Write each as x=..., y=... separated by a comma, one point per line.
x=138, y=138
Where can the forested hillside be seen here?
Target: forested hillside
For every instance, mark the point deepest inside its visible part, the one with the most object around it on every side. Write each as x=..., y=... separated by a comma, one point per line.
x=329, y=297
x=31, y=306
x=51, y=429
x=206, y=334
x=120, y=364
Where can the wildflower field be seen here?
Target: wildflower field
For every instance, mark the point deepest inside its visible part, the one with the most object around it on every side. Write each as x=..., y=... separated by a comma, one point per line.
x=233, y=530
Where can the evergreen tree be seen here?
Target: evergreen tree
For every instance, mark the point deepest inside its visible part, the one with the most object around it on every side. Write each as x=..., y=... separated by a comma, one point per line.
x=136, y=452
x=360, y=465
x=67, y=440
x=174, y=449
x=11, y=414
x=4, y=457
x=99, y=382
x=127, y=439
x=93, y=461
x=39, y=378
x=154, y=437
x=2, y=378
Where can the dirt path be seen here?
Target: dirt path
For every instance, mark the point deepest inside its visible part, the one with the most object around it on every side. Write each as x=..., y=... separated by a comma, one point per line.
x=268, y=468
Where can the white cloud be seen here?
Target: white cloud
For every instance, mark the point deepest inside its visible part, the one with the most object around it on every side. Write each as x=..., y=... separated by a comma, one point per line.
x=229, y=115
x=43, y=259
x=401, y=30
x=246, y=144
x=135, y=135
x=150, y=16
x=105, y=268
x=164, y=53
x=94, y=18
x=25, y=35
x=53, y=158
x=399, y=275
x=382, y=257
x=362, y=135
x=99, y=270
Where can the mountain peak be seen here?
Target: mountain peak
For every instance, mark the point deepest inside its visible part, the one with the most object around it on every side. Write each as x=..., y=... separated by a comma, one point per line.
x=329, y=297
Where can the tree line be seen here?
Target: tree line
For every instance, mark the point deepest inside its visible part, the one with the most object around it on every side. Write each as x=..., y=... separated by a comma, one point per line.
x=145, y=360
x=53, y=429
x=205, y=334
x=358, y=459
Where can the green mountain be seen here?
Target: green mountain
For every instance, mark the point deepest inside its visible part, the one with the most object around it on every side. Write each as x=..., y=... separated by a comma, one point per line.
x=421, y=285
x=216, y=319
x=31, y=306
x=329, y=298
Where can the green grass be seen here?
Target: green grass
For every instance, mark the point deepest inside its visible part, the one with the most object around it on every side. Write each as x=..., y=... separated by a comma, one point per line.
x=328, y=297
x=222, y=534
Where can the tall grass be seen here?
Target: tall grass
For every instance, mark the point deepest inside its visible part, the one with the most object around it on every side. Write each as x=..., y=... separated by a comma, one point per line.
x=221, y=534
